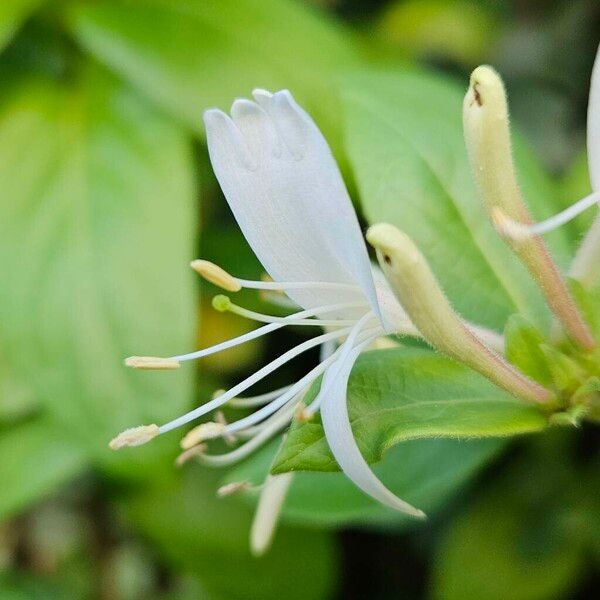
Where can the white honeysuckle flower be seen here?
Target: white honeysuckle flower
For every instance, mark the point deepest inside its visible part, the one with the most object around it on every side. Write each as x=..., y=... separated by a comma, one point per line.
x=288, y=197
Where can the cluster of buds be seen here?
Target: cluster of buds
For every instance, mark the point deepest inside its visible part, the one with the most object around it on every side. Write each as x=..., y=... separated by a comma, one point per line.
x=487, y=137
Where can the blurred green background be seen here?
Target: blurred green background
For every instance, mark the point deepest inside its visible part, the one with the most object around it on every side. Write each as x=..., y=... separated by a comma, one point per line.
x=106, y=193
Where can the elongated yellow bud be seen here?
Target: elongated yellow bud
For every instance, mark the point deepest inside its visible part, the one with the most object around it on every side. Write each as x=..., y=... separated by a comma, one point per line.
x=216, y=275
x=418, y=291
x=151, y=363
x=487, y=136
x=135, y=436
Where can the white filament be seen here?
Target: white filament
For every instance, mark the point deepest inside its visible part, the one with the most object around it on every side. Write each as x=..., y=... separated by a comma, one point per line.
x=250, y=381
x=259, y=400
x=256, y=333
x=297, y=285
x=262, y=318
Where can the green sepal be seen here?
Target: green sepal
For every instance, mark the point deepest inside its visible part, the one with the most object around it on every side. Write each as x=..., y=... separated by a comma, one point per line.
x=523, y=344
x=587, y=399
x=567, y=374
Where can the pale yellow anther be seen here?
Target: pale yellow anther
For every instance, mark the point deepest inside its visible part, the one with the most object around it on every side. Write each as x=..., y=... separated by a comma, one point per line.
x=218, y=393
x=135, y=436
x=233, y=488
x=229, y=438
x=201, y=433
x=154, y=363
x=216, y=275
x=190, y=453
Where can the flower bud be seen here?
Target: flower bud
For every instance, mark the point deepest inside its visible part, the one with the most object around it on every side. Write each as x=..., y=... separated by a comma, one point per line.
x=418, y=291
x=487, y=137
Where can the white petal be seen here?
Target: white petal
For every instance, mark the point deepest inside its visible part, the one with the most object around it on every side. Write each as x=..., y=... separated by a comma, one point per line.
x=593, y=126
x=286, y=192
x=267, y=513
x=334, y=413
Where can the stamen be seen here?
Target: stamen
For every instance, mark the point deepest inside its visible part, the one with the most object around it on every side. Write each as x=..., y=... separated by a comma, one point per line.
x=216, y=275
x=251, y=401
x=276, y=424
x=297, y=285
x=223, y=279
x=223, y=303
x=256, y=333
x=194, y=452
x=250, y=381
x=234, y=488
x=201, y=433
x=134, y=436
x=517, y=231
x=298, y=387
x=151, y=363
x=221, y=420
x=283, y=415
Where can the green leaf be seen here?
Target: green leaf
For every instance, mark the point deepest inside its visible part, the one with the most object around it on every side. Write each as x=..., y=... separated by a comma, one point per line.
x=191, y=54
x=492, y=540
x=36, y=459
x=201, y=534
x=405, y=142
x=426, y=473
x=18, y=586
x=523, y=341
x=12, y=14
x=452, y=31
x=524, y=538
x=406, y=394
x=589, y=303
x=96, y=232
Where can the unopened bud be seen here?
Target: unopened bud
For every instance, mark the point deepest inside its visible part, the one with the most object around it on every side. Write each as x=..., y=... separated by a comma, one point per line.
x=419, y=293
x=216, y=275
x=487, y=137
